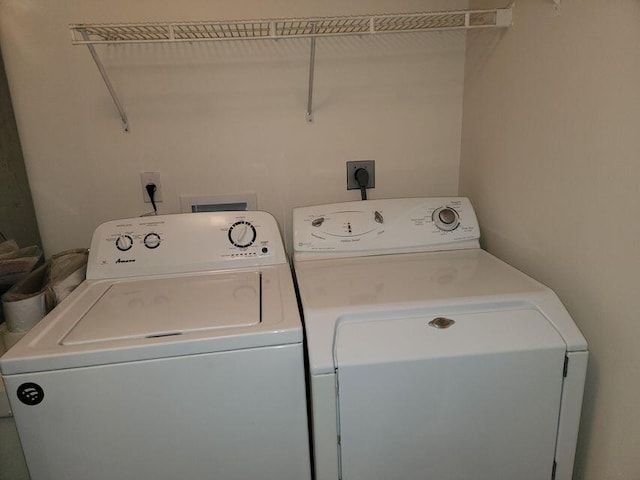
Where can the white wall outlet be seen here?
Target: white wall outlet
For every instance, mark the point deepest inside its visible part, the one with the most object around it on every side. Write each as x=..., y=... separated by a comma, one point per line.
x=151, y=177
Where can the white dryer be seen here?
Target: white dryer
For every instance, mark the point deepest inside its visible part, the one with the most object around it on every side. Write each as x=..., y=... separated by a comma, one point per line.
x=179, y=357
x=429, y=358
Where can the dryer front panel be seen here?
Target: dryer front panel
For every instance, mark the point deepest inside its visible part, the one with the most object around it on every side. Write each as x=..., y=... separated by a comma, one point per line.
x=467, y=396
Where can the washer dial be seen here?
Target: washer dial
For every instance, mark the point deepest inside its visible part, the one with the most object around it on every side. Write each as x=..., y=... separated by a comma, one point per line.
x=242, y=234
x=124, y=243
x=152, y=240
x=446, y=218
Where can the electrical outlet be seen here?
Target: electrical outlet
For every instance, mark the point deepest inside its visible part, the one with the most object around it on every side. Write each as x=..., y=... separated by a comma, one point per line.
x=352, y=166
x=151, y=177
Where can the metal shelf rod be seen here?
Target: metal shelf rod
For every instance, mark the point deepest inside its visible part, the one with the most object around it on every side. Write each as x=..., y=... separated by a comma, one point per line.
x=312, y=61
x=107, y=82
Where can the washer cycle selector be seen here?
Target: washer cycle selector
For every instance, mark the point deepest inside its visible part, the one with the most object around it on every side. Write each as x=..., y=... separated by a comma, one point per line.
x=152, y=240
x=242, y=234
x=446, y=218
x=124, y=243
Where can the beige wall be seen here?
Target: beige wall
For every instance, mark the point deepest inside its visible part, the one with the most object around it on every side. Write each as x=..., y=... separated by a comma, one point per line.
x=551, y=160
x=226, y=118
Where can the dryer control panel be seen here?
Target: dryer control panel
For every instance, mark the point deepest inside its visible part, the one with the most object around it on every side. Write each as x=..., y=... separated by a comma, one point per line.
x=188, y=242
x=390, y=225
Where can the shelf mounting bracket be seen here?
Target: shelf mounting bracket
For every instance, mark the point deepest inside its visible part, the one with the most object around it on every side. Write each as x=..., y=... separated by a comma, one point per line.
x=107, y=82
x=312, y=62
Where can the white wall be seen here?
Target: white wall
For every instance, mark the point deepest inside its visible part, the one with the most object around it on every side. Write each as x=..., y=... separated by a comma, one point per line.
x=226, y=117
x=551, y=160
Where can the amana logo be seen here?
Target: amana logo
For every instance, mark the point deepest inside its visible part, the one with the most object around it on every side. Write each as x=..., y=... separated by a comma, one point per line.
x=125, y=261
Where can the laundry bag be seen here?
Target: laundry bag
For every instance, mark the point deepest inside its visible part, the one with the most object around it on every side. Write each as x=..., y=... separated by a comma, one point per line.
x=31, y=298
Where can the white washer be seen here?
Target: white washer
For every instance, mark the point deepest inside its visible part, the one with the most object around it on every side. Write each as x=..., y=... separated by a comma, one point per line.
x=429, y=358
x=180, y=356
x=11, y=456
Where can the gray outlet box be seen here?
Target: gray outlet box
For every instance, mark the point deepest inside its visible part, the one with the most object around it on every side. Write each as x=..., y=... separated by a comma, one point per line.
x=352, y=166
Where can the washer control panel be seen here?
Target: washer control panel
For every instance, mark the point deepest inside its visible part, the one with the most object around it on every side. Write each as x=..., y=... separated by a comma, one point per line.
x=386, y=225
x=185, y=242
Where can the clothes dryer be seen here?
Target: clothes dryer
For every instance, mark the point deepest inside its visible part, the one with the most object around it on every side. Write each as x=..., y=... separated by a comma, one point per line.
x=430, y=358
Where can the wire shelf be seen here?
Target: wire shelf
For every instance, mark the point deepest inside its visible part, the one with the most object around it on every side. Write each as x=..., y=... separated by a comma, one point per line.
x=83, y=34
x=91, y=35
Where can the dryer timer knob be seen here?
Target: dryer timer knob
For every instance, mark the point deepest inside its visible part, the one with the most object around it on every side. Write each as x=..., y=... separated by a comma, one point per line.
x=446, y=218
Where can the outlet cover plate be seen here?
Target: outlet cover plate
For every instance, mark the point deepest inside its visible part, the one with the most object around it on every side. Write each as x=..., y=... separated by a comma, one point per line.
x=352, y=166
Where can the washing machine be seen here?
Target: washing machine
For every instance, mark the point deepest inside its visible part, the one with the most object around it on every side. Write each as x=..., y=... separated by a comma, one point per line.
x=11, y=456
x=180, y=356
x=428, y=357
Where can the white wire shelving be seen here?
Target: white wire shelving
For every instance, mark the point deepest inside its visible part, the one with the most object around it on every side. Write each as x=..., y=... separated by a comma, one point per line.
x=93, y=35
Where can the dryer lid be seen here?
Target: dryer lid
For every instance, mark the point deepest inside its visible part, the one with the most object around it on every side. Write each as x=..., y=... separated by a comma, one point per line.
x=170, y=306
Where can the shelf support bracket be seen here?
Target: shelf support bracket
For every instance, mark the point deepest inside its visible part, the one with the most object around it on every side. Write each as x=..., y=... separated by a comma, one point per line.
x=107, y=82
x=312, y=62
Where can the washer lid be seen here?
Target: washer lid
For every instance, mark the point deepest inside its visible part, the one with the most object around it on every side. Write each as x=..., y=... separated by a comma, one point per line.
x=145, y=318
x=170, y=306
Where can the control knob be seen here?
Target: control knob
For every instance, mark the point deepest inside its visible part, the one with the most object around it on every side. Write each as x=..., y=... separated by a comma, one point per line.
x=124, y=243
x=446, y=218
x=242, y=234
x=152, y=240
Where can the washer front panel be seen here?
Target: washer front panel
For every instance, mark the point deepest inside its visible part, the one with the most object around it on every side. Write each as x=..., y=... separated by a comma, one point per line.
x=228, y=415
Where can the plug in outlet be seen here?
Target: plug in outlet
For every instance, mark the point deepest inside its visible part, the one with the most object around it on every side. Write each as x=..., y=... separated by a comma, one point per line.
x=151, y=177
x=368, y=165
